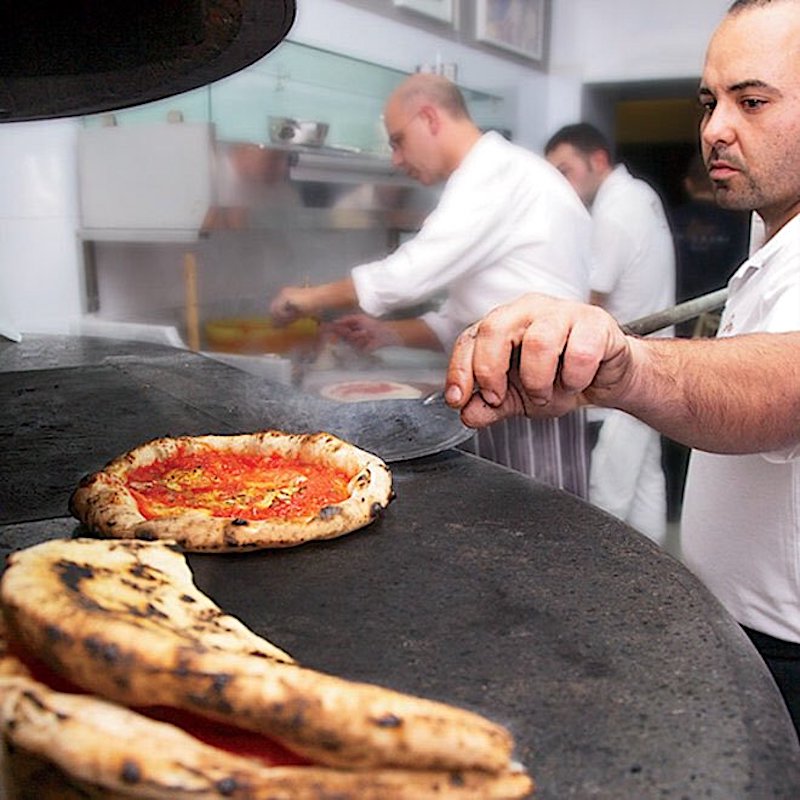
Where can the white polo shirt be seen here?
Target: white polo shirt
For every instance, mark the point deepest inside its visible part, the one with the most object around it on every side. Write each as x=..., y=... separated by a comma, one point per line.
x=741, y=514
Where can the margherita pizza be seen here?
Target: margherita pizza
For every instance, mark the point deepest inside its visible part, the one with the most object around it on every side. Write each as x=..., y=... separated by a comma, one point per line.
x=132, y=683
x=360, y=391
x=245, y=491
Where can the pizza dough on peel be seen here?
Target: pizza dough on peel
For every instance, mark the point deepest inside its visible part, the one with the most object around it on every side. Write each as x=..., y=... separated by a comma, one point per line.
x=364, y=390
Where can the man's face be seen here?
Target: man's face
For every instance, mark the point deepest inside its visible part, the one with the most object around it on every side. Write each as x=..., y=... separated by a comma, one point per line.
x=750, y=95
x=414, y=148
x=578, y=168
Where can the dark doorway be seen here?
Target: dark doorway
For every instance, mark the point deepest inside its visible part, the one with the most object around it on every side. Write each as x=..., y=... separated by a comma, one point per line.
x=654, y=128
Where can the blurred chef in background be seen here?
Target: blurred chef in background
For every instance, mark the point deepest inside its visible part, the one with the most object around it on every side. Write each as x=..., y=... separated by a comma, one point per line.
x=632, y=275
x=507, y=223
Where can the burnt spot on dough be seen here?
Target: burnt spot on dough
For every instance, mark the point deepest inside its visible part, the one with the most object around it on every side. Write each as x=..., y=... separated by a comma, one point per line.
x=182, y=668
x=329, y=512
x=55, y=635
x=71, y=574
x=239, y=521
x=220, y=681
x=130, y=772
x=148, y=612
x=32, y=698
x=143, y=571
x=98, y=648
x=230, y=538
x=187, y=598
x=216, y=701
x=145, y=535
x=389, y=721
x=121, y=681
x=375, y=510
x=456, y=779
x=227, y=786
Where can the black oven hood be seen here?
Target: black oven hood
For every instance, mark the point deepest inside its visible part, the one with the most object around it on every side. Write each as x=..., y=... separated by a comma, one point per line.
x=86, y=56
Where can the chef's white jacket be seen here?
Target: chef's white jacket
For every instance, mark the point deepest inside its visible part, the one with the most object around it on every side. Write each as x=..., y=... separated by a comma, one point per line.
x=507, y=223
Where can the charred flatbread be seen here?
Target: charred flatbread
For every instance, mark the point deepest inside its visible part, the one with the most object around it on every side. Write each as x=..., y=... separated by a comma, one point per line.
x=239, y=492
x=111, y=644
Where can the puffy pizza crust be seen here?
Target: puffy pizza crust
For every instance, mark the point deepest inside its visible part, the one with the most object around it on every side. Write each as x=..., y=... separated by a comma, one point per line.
x=104, y=504
x=117, y=618
x=100, y=745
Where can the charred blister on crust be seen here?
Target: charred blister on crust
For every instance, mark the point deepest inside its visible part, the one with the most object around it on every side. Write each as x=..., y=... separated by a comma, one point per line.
x=220, y=681
x=227, y=786
x=187, y=598
x=130, y=773
x=213, y=702
x=329, y=512
x=456, y=779
x=239, y=521
x=230, y=538
x=100, y=649
x=143, y=571
x=389, y=721
x=55, y=635
x=375, y=510
x=145, y=535
x=151, y=611
x=71, y=574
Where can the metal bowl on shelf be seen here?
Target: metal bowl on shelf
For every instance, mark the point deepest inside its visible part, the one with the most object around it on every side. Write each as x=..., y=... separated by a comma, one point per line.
x=285, y=130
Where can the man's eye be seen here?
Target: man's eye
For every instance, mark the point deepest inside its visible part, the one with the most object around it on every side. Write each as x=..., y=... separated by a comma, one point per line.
x=707, y=106
x=753, y=103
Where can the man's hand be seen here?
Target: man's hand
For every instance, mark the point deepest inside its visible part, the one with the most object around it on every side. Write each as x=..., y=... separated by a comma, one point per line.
x=538, y=356
x=364, y=332
x=292, y=302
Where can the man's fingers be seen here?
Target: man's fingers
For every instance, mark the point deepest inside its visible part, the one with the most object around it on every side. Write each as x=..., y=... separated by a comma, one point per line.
x=459, y=382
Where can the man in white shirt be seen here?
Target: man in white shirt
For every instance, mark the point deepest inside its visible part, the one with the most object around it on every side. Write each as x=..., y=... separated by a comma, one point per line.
x=507, y=223
x=632, y=274
x=736, y=398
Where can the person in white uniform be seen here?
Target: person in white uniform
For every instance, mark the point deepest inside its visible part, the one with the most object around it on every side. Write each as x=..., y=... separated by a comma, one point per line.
x=734, y=398
x=632, y=275
x=506, y=223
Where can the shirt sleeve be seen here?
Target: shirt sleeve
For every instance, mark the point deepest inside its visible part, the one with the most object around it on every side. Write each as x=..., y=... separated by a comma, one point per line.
x=462, y=233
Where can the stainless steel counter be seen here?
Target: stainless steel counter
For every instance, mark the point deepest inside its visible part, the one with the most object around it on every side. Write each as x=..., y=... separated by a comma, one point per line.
x=618, y=673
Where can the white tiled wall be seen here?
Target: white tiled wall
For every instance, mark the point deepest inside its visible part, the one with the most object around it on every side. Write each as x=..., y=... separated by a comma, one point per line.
x=39, y=265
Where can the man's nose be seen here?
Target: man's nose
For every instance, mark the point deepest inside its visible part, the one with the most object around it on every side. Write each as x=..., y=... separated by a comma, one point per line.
x=718, y=127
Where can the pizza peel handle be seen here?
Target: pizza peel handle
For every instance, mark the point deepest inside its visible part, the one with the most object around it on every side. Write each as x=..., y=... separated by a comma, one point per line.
x=677, y=314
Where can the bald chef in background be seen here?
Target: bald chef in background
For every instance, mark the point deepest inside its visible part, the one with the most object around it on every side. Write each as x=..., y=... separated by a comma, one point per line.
x=507, y=223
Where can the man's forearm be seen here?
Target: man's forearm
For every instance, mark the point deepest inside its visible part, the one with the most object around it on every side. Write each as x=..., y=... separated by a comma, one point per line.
x=731, y=395
x=335, y=296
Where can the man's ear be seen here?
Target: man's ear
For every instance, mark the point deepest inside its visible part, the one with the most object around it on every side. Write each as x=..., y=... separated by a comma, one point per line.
x=432, y=117
x=599, y=160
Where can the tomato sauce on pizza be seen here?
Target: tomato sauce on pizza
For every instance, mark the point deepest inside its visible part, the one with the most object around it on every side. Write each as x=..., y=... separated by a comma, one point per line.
x=238, y=485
